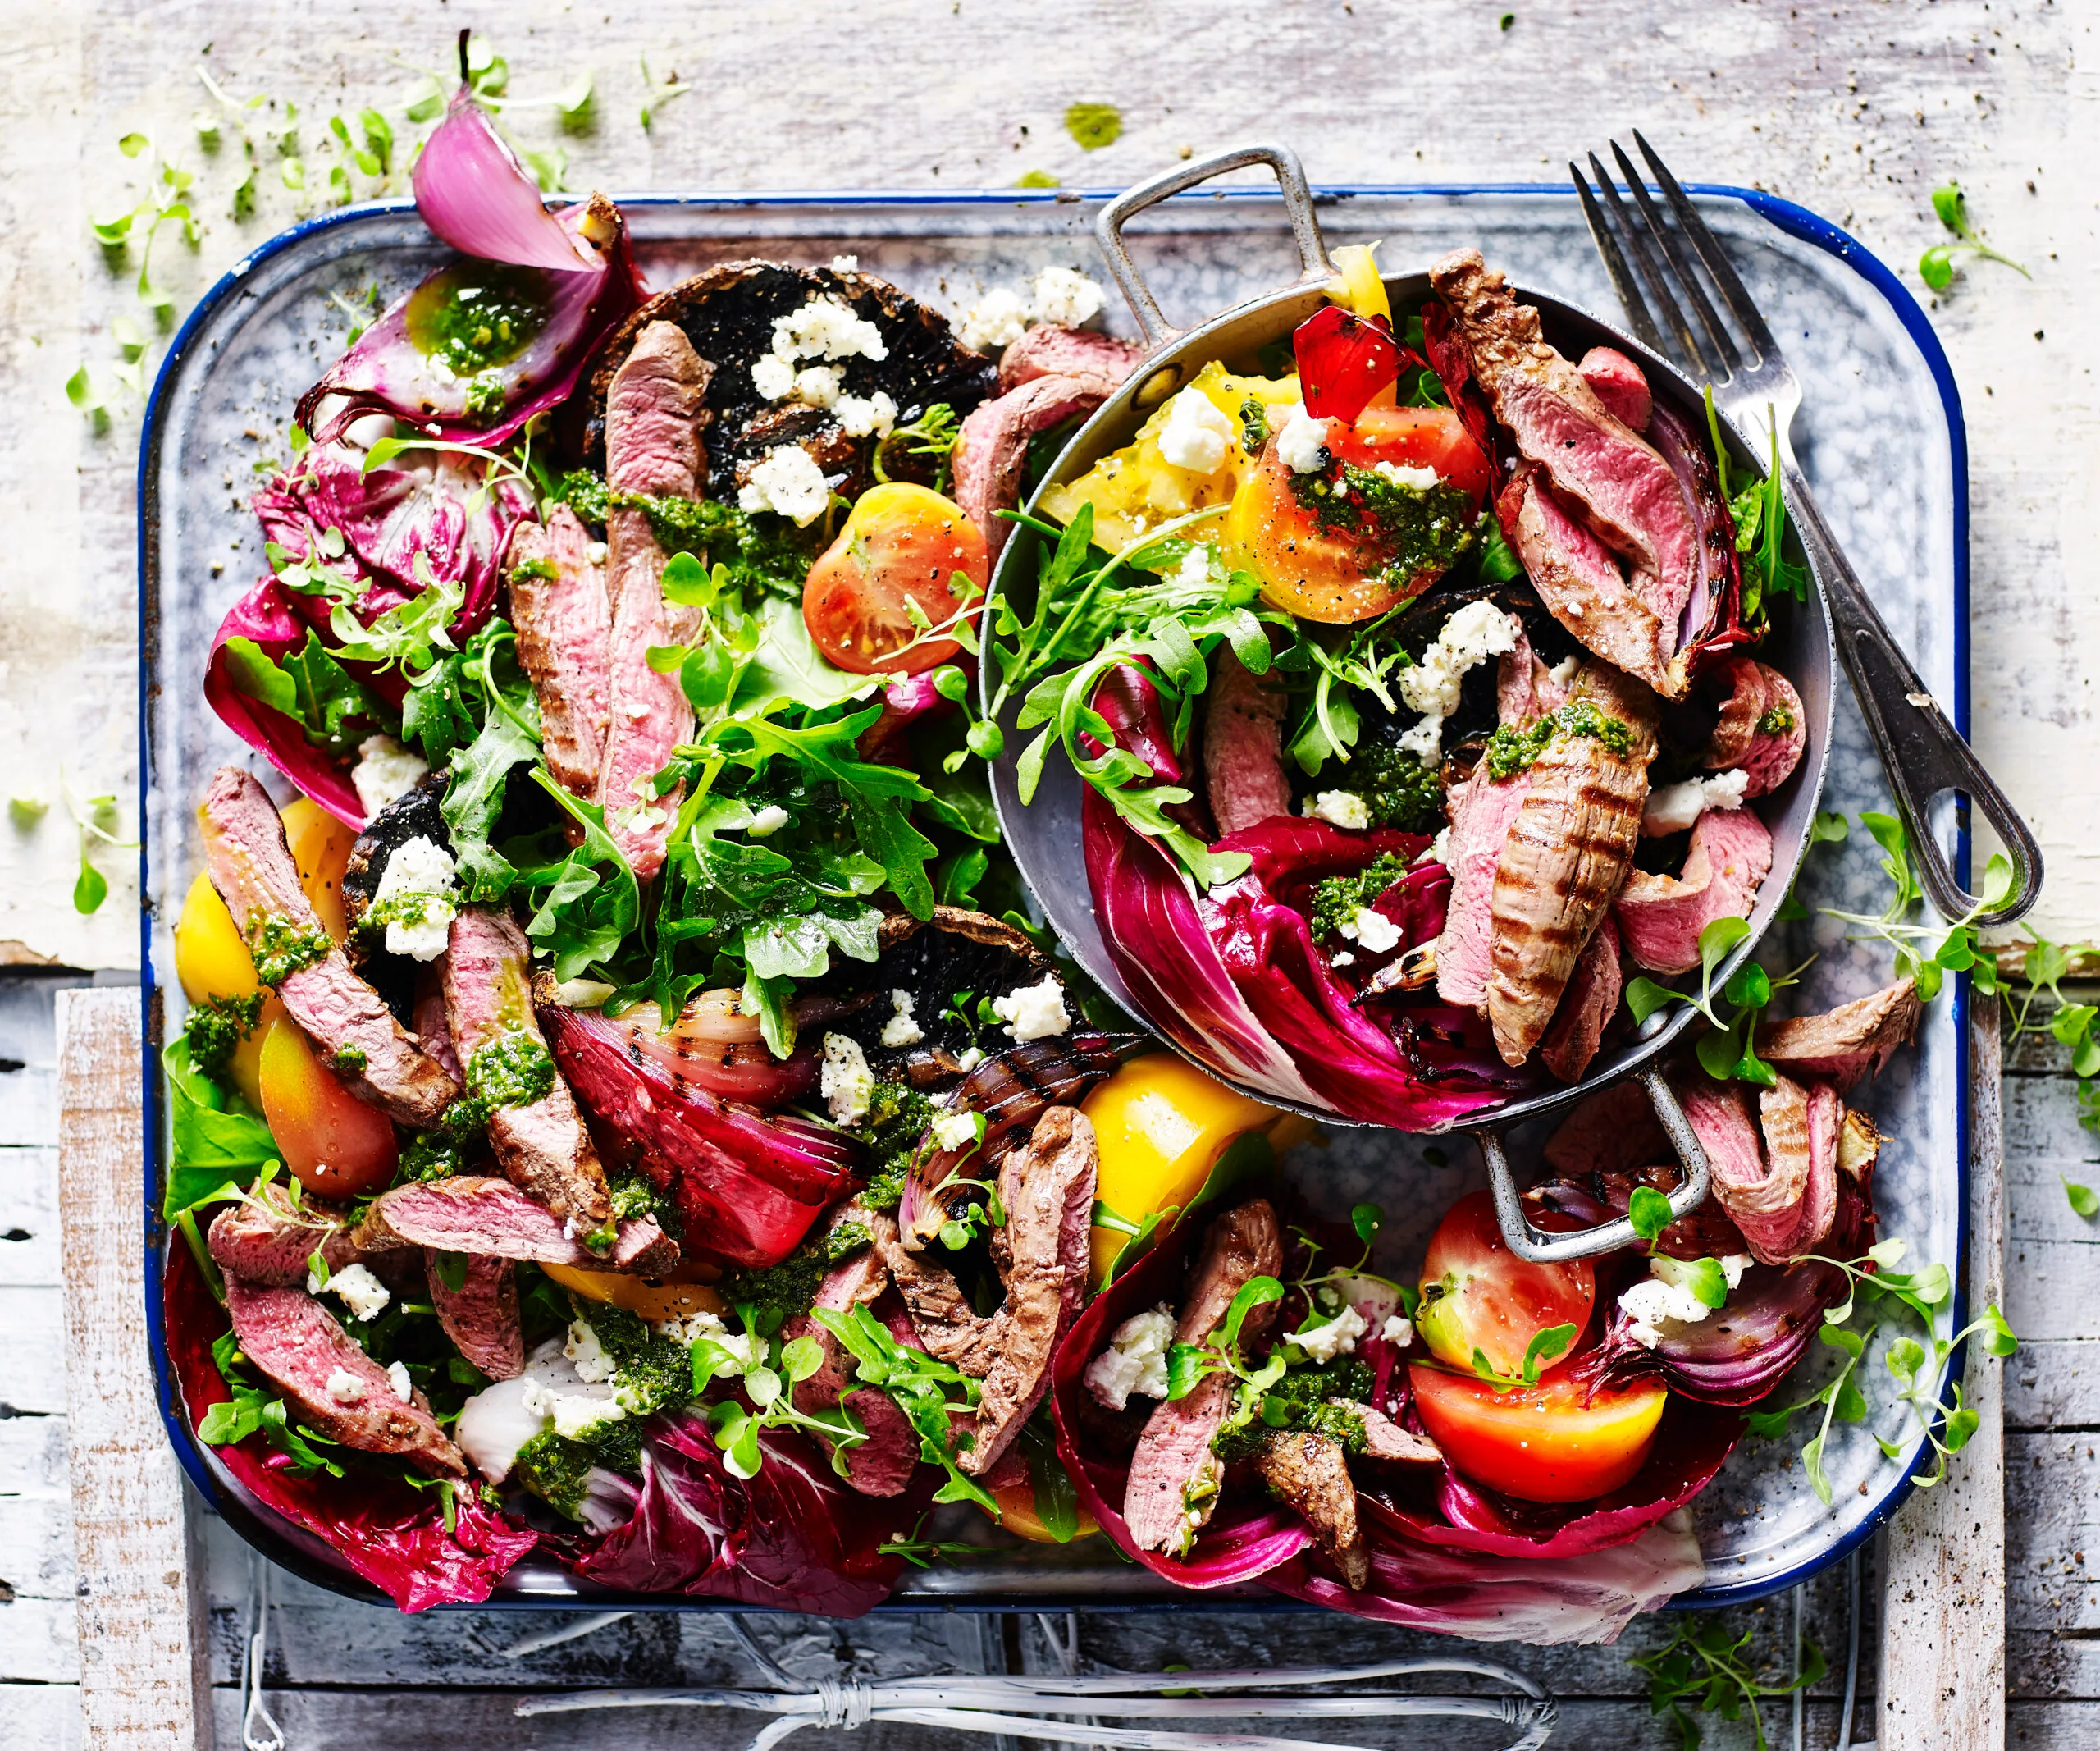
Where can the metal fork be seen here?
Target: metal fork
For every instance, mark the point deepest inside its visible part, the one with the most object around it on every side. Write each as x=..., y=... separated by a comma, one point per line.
x=1756, y=390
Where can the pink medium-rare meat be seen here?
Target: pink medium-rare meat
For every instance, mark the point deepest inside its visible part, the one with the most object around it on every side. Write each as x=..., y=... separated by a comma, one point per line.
x=1843, y=1044
x=1099, y=363
x=1244, y=1243
x=881, y=1463
x=1620, y=384
x=1242, y=748
x=291, y=1339
x=1742, y=682
x=1775, y=1171
x=542, y=1146
x=1578, y=1027
x=1482, y=811
x=1568, y=852
x=1614, y=1131
x=378, y=1060
x=481, y=1316
x=563, y=618
x=1525, y=689
x=1778, y=739
x=427, y=1017
x=477, y=1214
x=992, y=448
x=269, y=1238
x=1661, y=916
x=1577, y=578
x=653, y=414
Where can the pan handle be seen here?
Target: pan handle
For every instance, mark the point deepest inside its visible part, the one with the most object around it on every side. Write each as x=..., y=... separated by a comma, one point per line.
x=1297, y=200
x=1540, y=1246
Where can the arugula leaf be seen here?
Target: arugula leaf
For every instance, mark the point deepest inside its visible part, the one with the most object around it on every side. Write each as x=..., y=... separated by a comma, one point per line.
x=209, y=1146
x=786, y=666
x=311, y=687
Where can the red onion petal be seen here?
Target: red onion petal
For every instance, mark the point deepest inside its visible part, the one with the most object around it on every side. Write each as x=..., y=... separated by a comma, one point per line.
x=474, y=193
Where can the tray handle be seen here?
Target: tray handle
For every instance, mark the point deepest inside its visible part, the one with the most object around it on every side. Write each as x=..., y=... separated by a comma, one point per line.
x=1540, y=1247
x=1297, y=200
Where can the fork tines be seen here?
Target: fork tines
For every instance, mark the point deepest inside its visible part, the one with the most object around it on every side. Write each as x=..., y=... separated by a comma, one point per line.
x=1655, y=262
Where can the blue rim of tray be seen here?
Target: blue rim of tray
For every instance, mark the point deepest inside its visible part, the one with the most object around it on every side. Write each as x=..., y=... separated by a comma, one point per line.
x=1795, y=220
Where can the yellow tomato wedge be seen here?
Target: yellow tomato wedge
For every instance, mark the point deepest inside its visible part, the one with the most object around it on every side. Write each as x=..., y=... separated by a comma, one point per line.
x=1017, y=1515
x=1555, y=1442
x=335, y=1145
x=1358, y=286
x=647, y=1298
x=212, y=961
x=321, y=851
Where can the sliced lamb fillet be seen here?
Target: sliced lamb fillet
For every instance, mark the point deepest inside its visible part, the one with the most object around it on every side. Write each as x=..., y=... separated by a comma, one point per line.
x=1661, y=916
x=268, y=1238
x=1775, y=751
x=1736, y=726
x=881, y=1463
x=1569, y=851
x=564, y=624
x=1097, y=363
x=1620, y=384
x=290, y=1337
x=1309, y=1473
x=652, y=447
x=1843, y=1044
x=431, y=1028
x=1525, y=689
x=1386, y=1442
x=1577, y=578
x=1775, y=1173
x=1482, y=809
x=251, y=865
x=1571, y=1038
x=991, y=448
x=474, y=1214
x=1242, y=748
x=1244, y=1243
x=481, y=1316
x=488, y=996
x=948, y=1328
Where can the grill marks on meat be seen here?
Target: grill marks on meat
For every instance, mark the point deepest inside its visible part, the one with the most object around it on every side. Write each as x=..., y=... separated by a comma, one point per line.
x=564, y=625
x=267, y=1238
x=1571, y=1039
x=1569, y=850
x=251, y=865
x=291, y=1339
x=1843, y=1044
x=1242, y=748
x=1775, y=1174
x=652, y=445
x=475, y=1214
x=1097, y=363
x=1661, y=915
x=1309, y=1473
x=481, y=1316
x=542, y=1147
x=1600, y=469
x=1175, y=1478
x=992, y=448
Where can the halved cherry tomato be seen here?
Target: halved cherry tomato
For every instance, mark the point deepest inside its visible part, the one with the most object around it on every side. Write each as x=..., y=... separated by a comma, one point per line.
x=684, y=1290
x=1477, y=1294
x=902, y=545
x=1539, y=1444
x=1017, y=1515
x=321, y=852
x=212, y=961
x=1336, y=576
x=335, y=1145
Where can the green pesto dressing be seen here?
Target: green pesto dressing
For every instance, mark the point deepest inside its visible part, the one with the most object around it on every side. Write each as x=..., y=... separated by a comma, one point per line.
x=1406, y=531
x=1510, y=750
x=475, y=316
x=280, y=947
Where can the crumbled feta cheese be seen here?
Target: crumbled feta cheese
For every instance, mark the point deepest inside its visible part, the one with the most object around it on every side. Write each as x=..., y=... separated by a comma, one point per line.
x=1673, y=808
x=420, y=869
x=1564, y=671
x=1066, y=297
x=1135, y=1361
x=1733, y=1265
x=1301, y=440
x=384, y=771
x=1193, y=572
x=1416, y=480
x=900, y=1029
x=358, y=1290
x=1397, y=1330
x=846, y=1083
x=583, y=994
x=954, y=1130
x=689, y=1328
x=1654, y=1304
x=766, y=822
x=1340, y=808
x=586, y=1355
x=788, y=481
x=576, y=1416
x=1375, y=933
x=397, y=1377
x=997, y=319
x=826, y=328
x=970, y=1057
x=1344, y=959
x=1197, y=434
x=817, y=386
x=595, y=553
x=846, y=264
x=1323, y=1343
x=1440, y=849
x=344, y=1387
x=774, y=378
x=859, y=416
x=1034, y=1011
x=1476, y=632
x=1425, y=741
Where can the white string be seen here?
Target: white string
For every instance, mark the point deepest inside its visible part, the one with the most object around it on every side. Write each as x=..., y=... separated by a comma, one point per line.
x=568, y=1632
x=845, y=1701
x=258, y=1718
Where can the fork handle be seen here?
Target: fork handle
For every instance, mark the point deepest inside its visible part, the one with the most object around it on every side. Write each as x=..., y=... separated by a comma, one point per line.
x=1922, y=753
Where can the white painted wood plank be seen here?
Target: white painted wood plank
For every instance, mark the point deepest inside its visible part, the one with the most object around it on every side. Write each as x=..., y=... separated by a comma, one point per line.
x=39, y=1642
x=39, y=1718
x=33, y=1381
x=140, y=1624
x=29, y=1216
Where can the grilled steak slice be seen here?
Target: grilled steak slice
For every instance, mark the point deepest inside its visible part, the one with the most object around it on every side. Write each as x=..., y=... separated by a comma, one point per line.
x=483, y=1215
x=481, y=1316
x=431, y=1028
x=1242, y=748
x=1097, y=362
x=1308, y=1473
x=1244, y=1243
x=1761, y=728
x=1615, y=481
x=1386, y=1442
x=543, y=1146
x=881, y=1463
x=1853, y=1040
x=1737, y=725
x=1483, y=810
x=290, y=1337
x=949, y=1329
x=267, y=1237
x=564, y=623
x=1661, y=916
x=1525, y=689
x=1569, y=850
x=1571, y=1038
x=652, y=447
x=251, y=865
x=1578, y=579
x=1774, y=1174
x=992, y=448
x=1620, y=384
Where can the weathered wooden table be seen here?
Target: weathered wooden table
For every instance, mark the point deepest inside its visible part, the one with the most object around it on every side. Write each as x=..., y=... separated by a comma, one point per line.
x=1855, y=109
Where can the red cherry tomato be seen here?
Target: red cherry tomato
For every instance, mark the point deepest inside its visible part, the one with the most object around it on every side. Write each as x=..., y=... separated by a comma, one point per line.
x=902, y=545
x=335, y=1145
x=1478, y=1295
x=1421, y=437
x=1540, y=1443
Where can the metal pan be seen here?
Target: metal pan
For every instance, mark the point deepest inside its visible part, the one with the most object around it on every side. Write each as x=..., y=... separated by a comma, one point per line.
x=1044, y=834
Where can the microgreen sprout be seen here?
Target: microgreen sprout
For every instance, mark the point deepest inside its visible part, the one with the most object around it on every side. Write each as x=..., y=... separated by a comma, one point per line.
x=1547, y=1345
x=1936, y=266
x=1703, y=1668
x=1730, y=1050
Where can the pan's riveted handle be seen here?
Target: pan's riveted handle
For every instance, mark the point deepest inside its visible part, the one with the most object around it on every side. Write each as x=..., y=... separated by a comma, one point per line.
x=1544, y=1246
x=1297, y=200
